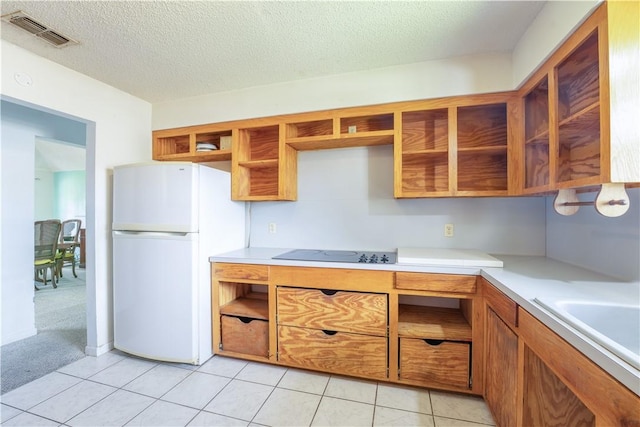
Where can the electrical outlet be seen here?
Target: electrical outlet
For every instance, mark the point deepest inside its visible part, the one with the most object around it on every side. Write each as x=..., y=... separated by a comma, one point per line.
x=448, y=230
x=272, y=228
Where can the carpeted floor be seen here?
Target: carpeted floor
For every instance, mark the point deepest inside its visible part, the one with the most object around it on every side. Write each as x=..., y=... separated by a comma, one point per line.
x=62, y=334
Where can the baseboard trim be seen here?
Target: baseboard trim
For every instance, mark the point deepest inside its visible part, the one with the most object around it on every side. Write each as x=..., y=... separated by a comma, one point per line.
x=98, y=351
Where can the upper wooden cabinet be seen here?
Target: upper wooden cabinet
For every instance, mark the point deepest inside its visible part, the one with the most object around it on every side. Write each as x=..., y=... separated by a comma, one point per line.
x=573, y=124
x=581, y=107
x=454, y=147
x=206, y=143
x=263, y=167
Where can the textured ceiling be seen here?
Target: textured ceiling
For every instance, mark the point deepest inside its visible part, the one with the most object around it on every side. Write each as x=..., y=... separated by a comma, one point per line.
x=164, y=50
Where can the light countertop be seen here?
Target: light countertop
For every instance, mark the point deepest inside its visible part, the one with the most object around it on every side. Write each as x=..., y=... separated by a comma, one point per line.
x=522, y=278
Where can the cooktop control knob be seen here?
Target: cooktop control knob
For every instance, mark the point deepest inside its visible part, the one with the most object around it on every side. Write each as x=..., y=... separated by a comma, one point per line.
x=363, y=258
x=373, y=259
x=384, y=259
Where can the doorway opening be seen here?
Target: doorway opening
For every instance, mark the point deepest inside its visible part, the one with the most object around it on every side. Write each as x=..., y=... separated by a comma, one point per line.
x=57, y=148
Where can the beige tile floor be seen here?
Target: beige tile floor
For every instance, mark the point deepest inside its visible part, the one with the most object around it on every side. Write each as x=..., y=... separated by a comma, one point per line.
x=118, y=390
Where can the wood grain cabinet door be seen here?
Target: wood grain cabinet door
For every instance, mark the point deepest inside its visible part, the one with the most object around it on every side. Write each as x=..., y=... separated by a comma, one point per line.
x=547, y=400
x=501, y=367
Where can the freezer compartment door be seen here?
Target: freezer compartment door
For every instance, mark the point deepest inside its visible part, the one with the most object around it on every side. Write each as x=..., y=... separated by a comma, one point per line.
x=156, y=197
x=155, y=295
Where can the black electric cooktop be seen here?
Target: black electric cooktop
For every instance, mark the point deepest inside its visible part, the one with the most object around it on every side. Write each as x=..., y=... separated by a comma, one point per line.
x=339, y=256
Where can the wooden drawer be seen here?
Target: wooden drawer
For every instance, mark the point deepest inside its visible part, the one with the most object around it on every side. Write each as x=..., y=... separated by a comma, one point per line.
x=355, y=312
x=455, y=283
x=333, y=278
x=245, y=335
x=241, y=271
x=336, y=352
x=439, y=363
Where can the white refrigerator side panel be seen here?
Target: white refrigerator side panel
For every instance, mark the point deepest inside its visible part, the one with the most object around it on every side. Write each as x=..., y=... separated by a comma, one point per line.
x=222, y=229
x=154, y=297
x=159, y=196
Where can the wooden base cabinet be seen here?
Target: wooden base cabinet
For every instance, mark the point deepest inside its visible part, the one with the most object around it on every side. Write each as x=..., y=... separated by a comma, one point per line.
x=533, y=377
x=501, y=367
x=416, y=329
x=241, y=311
x=548, y=401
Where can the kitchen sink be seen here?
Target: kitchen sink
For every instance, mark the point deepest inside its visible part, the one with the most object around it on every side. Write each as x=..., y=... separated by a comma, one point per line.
x=614, y=326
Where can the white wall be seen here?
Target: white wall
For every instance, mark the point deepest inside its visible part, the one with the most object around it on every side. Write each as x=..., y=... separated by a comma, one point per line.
x=555, y=22
x=17, y=175
x=593, y=241
x=345, y=201
x=119, y=131
x=432, y=79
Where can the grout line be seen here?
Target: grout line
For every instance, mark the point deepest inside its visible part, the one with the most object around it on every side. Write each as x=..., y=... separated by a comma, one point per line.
x=229, y=381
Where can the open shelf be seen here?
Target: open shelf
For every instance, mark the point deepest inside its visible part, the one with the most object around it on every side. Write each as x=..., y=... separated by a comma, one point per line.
x=172, y=145
x=536, y=134
x=482, y=126
x=243, y=319
x=425, y=130
x=536, y=113
x=480, y=171
x=257, y=163
x=369, y=123
x=579, y=153
x=221, y=140
x=482, y=149
x=438, y=323
x=254, y=306
x=537, y=165
x=384, y=137
x=259, y=143
x=579, y=148
x=425, y=172
x=578, y=79
x=182, y=144
x=314, y=128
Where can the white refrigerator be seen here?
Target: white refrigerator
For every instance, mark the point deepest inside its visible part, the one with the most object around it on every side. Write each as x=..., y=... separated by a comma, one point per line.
x=168, y=219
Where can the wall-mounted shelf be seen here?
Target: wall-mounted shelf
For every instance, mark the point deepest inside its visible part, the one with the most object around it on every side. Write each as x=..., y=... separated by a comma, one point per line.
x=197, y=144
x=560, y=130
x=482, y=149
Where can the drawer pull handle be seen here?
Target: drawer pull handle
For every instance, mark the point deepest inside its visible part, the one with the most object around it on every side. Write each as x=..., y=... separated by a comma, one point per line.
x=433, y=342
x=246, y=319
x=328, y=292
x=326, y=332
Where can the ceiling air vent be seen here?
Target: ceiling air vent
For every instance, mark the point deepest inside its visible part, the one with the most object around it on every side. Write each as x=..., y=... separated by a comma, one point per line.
x=38, y=29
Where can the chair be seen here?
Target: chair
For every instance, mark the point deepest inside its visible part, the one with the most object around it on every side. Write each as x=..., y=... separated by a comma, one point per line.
x=46, y=235
x=69, y=241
